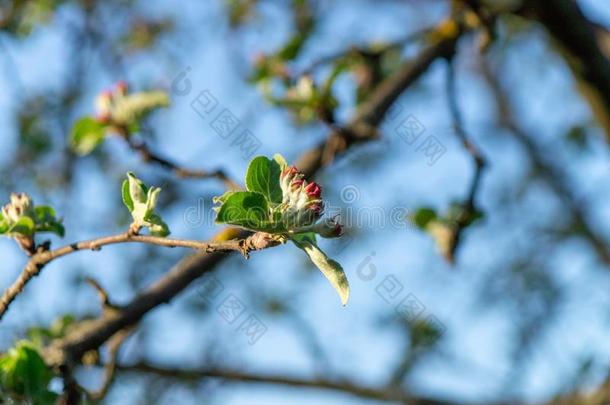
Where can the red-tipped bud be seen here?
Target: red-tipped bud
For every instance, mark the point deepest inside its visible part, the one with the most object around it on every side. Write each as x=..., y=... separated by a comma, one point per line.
x=106, y=94
x=289, y=171
x=317, y=208
x=259, y=59
x=313, y=190
x=295, y=185
x=121, y=87
x=338, y=231
x=103, y=118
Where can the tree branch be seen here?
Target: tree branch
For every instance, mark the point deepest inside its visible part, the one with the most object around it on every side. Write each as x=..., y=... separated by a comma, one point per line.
x=148, y=155
x=469, y=205
x=576, y=36
x=43, y=257
x=553, y=175
x=239, y=377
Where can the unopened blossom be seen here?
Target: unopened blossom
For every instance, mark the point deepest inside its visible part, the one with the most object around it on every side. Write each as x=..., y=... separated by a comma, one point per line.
x=302, y=203
x=20, y=205
x=103, y=105
x=106, y=101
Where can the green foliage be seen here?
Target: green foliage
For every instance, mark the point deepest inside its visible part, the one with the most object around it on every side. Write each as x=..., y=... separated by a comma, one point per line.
x=246, y=209
x=24, y=375
x=141, y=201
x=58, y=329
x=20, y=218
x=422, y=217
x=22, y=17
x=424, y=334
x=443, y=228
x=266, y=206
x=331, y=269
x=144, y=34
x=240, y=11
x=263, y=177
x=86, y=135
x=118, y=111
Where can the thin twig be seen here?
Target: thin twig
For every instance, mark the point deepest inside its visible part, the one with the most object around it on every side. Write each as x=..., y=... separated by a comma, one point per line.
x=366, y=49
x=148, y=155
x=240, y=376
x=114, y=345
x=552, y=174
x=44, y=257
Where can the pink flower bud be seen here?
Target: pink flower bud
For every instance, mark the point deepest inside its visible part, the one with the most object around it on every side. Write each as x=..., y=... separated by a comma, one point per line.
x=317, y=208
x=103, y=118
x=313, y=190
x=295, y=185
x=338, y=231
x=121, y=87
x=289, y=171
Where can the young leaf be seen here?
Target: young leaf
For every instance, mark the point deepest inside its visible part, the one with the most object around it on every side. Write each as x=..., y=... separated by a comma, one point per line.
x=263, y=176
x=133, y=107
x=423, y=216
x=157, y=226
x=24, y=373
x=141, y=201
x=331, y=269
x=247, y=209
x=221, y=199
x=24, y=226
x=126, y=195
x=86, y=135
x=46, y=220
x=280, y=161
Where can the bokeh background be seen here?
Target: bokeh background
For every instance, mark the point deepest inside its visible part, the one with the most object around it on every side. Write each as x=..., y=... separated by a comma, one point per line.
x=522, y=315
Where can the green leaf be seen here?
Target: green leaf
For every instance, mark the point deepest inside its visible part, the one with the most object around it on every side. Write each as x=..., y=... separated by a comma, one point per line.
x=280, y=161
x=331, y=269
x=423, y=216
x=222, y=199
x=246, y=209
x=24, y=226
x=3, y=224
x=126, y=195
x=46, y=220
x=24, y=373
x=157, y=226
x=86, y=135
x=263, y=176
x=141, y=202
x=44, y=213
x=137, y=189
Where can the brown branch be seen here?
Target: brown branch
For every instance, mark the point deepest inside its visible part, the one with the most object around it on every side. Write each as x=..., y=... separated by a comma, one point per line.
x=240, y=377
x=364, y=50
x=114, y=345
x=40, y=259
x=553, y=175
x=469, y=205
x=149, y=156
x=584, y=54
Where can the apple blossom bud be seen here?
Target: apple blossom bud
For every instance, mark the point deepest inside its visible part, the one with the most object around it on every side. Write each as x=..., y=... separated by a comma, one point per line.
x=313, y=190
x=103, y=105
x=121, y=87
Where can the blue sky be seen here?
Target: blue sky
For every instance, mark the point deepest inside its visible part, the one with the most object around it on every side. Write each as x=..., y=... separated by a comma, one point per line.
x=474, y=362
